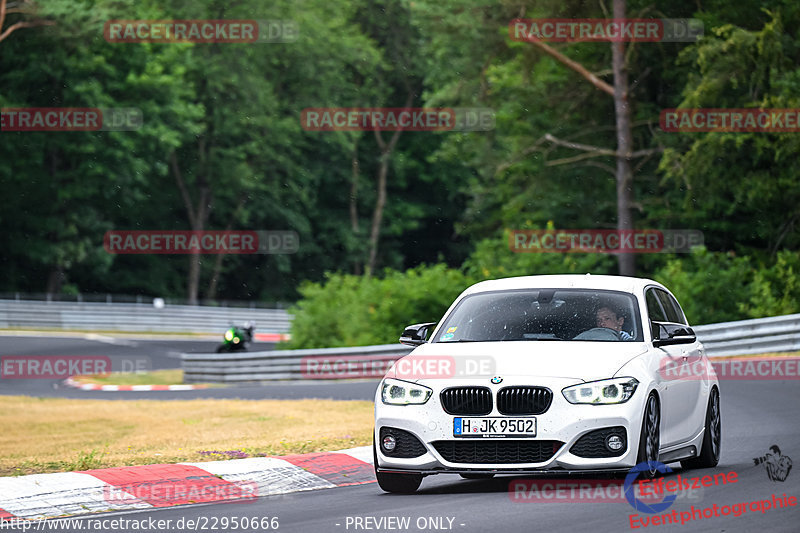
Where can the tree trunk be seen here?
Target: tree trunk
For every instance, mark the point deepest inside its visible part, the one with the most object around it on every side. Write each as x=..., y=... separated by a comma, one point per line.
x=627, y=261
x=624, y=152
x=380, y=203
x=197, y=216
x=354, y=206
x=377, y=215
x=55, y=280
x=211, y=292
x=193, y=283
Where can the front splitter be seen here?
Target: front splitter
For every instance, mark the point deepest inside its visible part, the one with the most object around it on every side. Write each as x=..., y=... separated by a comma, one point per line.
x=507, y=471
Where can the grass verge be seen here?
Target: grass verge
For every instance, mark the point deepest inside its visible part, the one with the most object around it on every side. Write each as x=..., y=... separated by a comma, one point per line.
x=57, y=435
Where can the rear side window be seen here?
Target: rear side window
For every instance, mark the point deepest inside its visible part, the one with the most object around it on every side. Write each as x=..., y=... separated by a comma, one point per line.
x=654, y=310
x=671, y=307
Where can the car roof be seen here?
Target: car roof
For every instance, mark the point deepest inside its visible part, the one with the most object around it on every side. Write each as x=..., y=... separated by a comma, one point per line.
x=563, y=281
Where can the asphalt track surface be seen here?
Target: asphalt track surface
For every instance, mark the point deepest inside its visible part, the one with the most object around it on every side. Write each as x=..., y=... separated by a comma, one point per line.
x=756, y=415
x=126, y=354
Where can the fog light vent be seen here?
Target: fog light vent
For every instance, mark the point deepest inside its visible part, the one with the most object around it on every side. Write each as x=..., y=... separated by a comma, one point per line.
x=606, y=442
x=395, y=442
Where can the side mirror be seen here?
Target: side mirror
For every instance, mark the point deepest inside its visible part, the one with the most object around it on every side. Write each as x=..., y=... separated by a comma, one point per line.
x=668, y=333
x=415, y=335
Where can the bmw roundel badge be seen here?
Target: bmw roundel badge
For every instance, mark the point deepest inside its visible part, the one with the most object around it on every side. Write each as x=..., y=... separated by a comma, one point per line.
x=497, y=379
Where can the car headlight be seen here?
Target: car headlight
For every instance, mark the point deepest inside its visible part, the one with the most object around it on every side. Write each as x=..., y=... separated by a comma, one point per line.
x=607, y=391
x=396, y=392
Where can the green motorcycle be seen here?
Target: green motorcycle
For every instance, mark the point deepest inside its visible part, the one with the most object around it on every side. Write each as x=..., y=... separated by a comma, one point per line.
x=236, y=338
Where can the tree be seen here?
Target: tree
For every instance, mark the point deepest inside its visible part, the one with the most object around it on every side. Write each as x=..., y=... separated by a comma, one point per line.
x=624, y=153
x=397, y=78
x=22, y=7
x=741, y=188
x=69, y=187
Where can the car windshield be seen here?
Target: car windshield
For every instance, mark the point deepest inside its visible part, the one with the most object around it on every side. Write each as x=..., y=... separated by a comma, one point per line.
x=542, y=315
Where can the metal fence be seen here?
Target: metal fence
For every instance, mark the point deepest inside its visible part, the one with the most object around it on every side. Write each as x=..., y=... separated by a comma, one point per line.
x=136, y=317
x=109, y=298
x=759, y=335
x=775, y=334
x=249, y=367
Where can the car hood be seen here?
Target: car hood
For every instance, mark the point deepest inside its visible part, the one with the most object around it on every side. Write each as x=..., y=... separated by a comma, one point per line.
x=579, y=360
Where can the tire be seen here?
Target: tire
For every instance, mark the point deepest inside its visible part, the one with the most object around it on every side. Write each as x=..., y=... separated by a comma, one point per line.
x=650, y=437
x=477, y=476
x=712, y=439
x=399, y=483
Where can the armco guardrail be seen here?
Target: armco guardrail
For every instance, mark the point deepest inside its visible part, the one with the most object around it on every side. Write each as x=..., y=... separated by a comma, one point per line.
x=136, y=317
x=244, y=367
x=758, y=335
x=775, y=334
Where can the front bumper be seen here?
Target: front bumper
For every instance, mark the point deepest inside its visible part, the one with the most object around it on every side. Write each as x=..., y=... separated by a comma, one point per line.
x=563, y=424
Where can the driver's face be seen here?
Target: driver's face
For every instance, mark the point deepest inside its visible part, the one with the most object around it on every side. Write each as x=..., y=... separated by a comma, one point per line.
x=606, y=318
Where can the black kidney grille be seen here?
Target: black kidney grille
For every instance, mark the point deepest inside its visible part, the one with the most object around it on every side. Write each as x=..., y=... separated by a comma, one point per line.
x=467, y=400
x=524, y=400
x=497, y=452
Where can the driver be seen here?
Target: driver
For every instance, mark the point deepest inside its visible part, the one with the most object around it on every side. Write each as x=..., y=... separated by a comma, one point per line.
x=607, y=318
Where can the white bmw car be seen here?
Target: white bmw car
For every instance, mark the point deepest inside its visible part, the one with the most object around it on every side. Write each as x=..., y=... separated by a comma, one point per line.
x=548, y=374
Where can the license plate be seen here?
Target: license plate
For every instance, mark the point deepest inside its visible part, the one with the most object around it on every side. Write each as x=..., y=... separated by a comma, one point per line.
x=494, y=427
